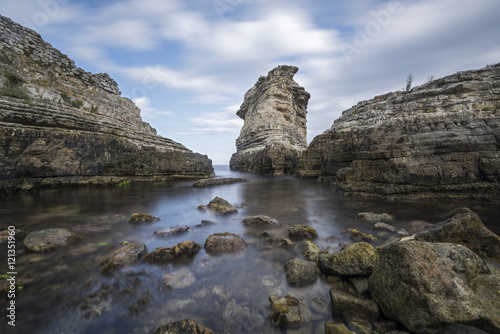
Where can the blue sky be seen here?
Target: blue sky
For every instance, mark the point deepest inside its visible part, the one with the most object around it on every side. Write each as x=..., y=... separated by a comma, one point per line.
x=188, y=64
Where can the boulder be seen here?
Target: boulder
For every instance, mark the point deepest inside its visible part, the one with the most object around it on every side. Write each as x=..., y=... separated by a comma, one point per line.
x=300, y=272
x=181, y=251
x=465, y=228
x=336, y=328
x=375, y=217
x=183, y=327
x=302, y=232
x=217, y=182
x=48, y=239
x=358, y=236
x=125, y=254
x=428, y=286
x=219, y=205
x=219, y=243
x=139, y=218
x=260, y=221
x=354, y=260
x=170, y=231
x=288, y=311
x=308, y=250
x=345, y=303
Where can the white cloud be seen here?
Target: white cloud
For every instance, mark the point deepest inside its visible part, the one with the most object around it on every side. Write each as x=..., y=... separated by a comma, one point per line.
x=216, y=122
x=144, y=103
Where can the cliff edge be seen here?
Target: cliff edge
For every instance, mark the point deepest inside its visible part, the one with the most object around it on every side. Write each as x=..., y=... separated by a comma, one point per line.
x=60, y=125
x=441, y=139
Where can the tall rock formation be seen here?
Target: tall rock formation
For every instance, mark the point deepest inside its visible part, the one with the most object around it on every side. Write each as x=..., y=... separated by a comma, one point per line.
x=274, y=133
x=60, y=125
x=441, y=139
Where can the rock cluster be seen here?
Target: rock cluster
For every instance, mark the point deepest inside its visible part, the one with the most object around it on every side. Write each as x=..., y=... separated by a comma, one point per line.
x=60, y=125
x=437, y=140
x=273, y=136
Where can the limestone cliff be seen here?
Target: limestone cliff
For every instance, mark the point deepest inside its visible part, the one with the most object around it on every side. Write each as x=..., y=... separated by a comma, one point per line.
x=274, y=133
x=440, y=139
x=60, y=125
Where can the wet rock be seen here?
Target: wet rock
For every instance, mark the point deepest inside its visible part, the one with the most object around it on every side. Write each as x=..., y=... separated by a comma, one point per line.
x=320, y=305
x=360, y=285
x=220, y=206
x=336, y=328
x=98, y=225
x=18, y=235
x=179, y=279
x=427, y=286
x=170, y=231
x=288, y=311
x=302, y=232
x=467, y=229
x=284, y=242
x=260, y=221
x=181, y=251
x=300, y=272
x=48, y=239
x=140, y=305
x=308, y=250
x=217, y=182
x=385, y=227
x=183, y=327
x=343, y=302
x=374, y=217
x=219, y=243
x=139, y=218
x=358, y=236
x=125, y=254
x=354, y=260
x=205, y=222
x=96, y=303
x=360, y=325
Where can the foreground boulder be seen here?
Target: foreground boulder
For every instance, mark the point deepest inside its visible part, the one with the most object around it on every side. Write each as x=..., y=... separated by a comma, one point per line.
x=260, y=221
x=125, y=254
x=428, y=286
x=357, y=259
x=288, y=311
x=302, y=232
x=48, y=239
x=308, y=250
x=466, y=228
x=219, y=243
x=181, y=251
x=301, y=272
x=183, y=327
x=219, y=205
x=345, y=303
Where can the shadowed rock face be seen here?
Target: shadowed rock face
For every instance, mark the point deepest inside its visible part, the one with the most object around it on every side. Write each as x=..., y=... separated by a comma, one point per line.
x=274, y=133
x=440, y=139
x=60, y=125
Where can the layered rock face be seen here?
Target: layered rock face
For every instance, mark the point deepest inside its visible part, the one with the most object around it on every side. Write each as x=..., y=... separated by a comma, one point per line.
x=274, y=133
x=440, y=139
x=60, y=125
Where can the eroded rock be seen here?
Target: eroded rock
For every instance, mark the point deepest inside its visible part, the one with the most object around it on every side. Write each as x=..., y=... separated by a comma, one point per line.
x=125, y=254
x=183, y=327
x=302, y=232
x=170, y=231
x=260, y=221
x=139, y=218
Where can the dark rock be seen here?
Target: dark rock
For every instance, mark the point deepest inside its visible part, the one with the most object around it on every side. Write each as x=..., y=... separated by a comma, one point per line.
x=284, y=242
x=96, y=303
x=302, y=232
x=336, y=328
x=170, y=231
x=139, y=218
x=300, y=272
x=181, y=251
x=216, y=182
x=359, y=325
x=242, y=318
x=224, y=243
x=465, y=228
x=462, y=329
x=140, y=305
x=48, y=239
x=125, y=254
x=428, y=286
x=360, y=285
x=308, y=250
x=288, y=311
x=219, y=205
x=416, y=226
x=355, y=260
x=183, y=327
x=260, y=221
x=375, y=217
x=386, y=227
x=205, y=222
x=343, y=302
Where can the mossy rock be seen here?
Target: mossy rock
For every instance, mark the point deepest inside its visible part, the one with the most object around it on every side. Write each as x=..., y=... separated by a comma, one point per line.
x=302, y=232
x=139, y=218
x=183, y=250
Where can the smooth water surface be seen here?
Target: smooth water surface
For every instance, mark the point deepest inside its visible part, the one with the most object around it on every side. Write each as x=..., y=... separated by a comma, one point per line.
x=65, y=292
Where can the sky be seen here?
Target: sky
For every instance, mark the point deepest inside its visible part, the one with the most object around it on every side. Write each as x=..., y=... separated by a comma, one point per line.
x=188, y=64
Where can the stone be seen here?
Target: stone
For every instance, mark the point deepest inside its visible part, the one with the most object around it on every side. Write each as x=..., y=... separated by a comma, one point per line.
x=18, y=234
x=96, y=303
x=428, y=286
x=183, y=327
x=274, y=132
x=439, y=140
x=170, y=231
x=416, y=226
x=357, y=259
x=302, y=232
x=284, y=242
x=343, y=302
x=308, y=250
x=260, y=221
x=125, y=254
x=217, y=182
x=206, y=222
x=463, y=329
x=358, y=236
x=336, y=328
x=48, y=239
x=288, y=311
x=181, y=251
x=219, y=243
x=300, y=272
x=374, y=217
x=467, y=229
x=386, y=227
x=359, y=325
x=360, y=285
x=179, y=279
x=219, y=206
x=139, y=218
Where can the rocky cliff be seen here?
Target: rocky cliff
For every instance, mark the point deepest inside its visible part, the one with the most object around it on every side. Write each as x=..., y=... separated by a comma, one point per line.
x=274, y=133
x=440, y=139
x=60, y=125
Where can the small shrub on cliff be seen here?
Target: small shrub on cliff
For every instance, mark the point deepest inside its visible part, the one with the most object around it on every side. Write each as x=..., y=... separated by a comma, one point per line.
x=260, y=81
x=409, y=81
x=76, y=103
x=12, y=87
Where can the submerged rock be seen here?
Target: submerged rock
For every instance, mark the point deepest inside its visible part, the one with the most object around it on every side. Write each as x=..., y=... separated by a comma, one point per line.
x=359, y=236
x=242, y=318
x=170, y=231
x=139, y=218
x=260, y=221
x=288, y=311
x=300, y=272
x=219, y=243
x=181, y=251
x=96, y=303
x=220, y=206
x=357, y=259
x=217, y=182
x=375, y=217
x=183, y=327
x=48, y=239
x=125, y=254
x=180, y=279
x=302, y=232
x=98, y=225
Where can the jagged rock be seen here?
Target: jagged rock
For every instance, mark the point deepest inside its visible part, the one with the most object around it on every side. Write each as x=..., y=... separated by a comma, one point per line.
x=48, y=239
x=139, y=218
x=300, y=272
x=170, y=231
x=302, y=232
x=308, y=250
x=217, y=182
x=218, y=243
x=62, y=126
x=428, y=286
x=343, y=302
x=288, y=311
x=180, y=279
x=467, y=229
x=183, y=327
x=274, y=133
x=438, y=140
x=181, y=251
x=354, y=260
x=374, y=217
x=125, y=254
x=260, y=221
x=220, y=206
